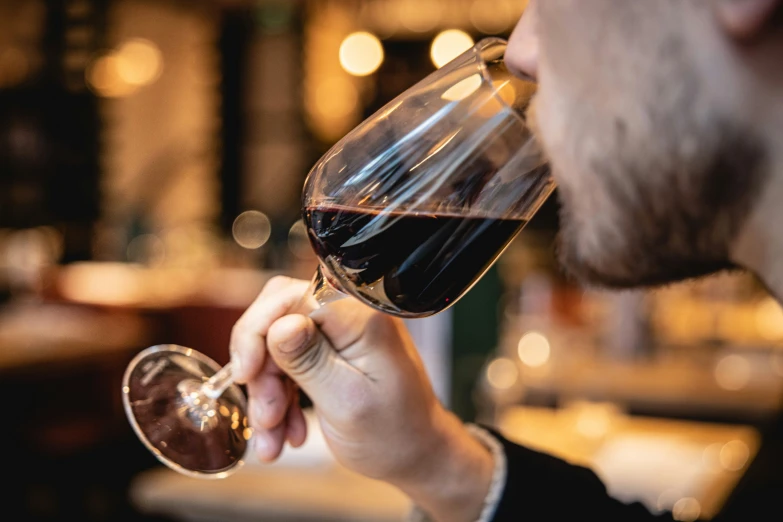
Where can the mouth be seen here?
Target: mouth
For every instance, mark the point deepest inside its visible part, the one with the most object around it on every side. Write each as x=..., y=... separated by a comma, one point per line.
x=533, y=125
x=531, y=116
x=533, y=122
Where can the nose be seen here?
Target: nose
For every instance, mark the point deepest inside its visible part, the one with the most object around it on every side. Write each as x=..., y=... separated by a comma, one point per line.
x=522, y=51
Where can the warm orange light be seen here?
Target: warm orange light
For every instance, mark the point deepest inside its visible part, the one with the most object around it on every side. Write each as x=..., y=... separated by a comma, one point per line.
x=361, y=53
x=448, y=45
x=463, y=88
x=732, y=372
x=419, y=16
x=14, y=66
x=769, y=320
x=502, y=373
x=336, y=97
x=533, y=349
x=140, y=62
x=686, y=509
x=491, y=19
x=734, y=455
x=103, y=76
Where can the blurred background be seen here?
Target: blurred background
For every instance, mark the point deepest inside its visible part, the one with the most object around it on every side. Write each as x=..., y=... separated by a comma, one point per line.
x=152, y=154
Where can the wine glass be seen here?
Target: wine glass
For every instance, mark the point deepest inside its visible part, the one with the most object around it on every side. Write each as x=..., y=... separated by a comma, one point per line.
x=405, y=213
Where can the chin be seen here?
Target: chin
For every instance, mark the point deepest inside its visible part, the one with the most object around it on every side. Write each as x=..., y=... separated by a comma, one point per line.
x=629, y=262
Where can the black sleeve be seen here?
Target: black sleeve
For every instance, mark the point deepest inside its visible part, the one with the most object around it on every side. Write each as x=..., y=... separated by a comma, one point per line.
x=542, y=487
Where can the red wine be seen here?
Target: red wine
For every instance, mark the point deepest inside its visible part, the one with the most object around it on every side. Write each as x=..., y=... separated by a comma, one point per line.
x=408, y=264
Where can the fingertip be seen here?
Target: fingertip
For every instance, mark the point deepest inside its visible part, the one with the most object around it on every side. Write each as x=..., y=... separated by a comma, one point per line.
x=260, y=445
x=247, y=356
x=268, y=444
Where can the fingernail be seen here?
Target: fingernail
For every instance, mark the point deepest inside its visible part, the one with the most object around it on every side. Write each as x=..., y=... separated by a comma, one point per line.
x=294, y=342
x=258, y=411
x=236, y=365
x=261, y=445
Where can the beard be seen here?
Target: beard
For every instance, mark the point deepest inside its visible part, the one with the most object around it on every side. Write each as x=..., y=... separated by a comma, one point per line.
x=656, y=173
x=664, y=220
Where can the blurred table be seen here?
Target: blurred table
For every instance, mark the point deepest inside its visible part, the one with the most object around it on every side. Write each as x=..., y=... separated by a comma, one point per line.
x=679, y=386
x=305, y=485
x=657, y=461
x=63, y=366
x=61, y=369
x=40, y=334
x=328, y=494
x=193, y=307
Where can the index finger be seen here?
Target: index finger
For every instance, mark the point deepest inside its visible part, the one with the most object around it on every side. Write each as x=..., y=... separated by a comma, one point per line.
x=248, y=343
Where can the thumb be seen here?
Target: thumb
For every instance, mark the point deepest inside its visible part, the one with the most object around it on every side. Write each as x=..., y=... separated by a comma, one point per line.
x=304, y=354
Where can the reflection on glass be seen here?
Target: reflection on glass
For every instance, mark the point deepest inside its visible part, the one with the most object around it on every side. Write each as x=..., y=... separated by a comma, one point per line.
x=405, y=213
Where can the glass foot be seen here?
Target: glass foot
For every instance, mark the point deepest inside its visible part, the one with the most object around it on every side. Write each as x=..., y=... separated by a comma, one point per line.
x=185, y=429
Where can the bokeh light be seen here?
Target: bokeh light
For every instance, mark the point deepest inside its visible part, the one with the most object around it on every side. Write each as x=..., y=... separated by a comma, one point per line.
x=361, y=53
x=252, y=229
x=769, y=320
x=299, y=242
x=732, y=372
x=104, y=78
x=711, y=457
x=449, y=44
x=140, y=62
x=120, y=72
x=502, y=373
x=734, y=455
x=533, y=349
x=686, y=509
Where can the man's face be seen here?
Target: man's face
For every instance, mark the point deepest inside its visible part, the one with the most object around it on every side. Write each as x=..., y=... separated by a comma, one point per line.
x=648, y=157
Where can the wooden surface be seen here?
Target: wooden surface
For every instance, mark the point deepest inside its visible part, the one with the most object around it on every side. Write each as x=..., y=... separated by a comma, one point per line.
x=324, y=494
x=653, y=460
x=304, y=485
x=683, y=386
x=37, y=334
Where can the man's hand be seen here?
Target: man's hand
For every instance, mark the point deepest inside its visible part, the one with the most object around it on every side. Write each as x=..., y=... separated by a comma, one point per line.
x=372, y=397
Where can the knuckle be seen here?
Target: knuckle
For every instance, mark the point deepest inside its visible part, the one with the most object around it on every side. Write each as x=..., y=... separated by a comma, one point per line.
x=277, y=283
x=238, y=329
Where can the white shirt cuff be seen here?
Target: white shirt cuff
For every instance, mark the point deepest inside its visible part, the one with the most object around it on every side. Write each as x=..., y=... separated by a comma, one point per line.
x=495, y=492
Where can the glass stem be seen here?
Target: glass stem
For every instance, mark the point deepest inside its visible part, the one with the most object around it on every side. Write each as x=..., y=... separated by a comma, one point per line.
x=317, y=295
x=218, y=383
